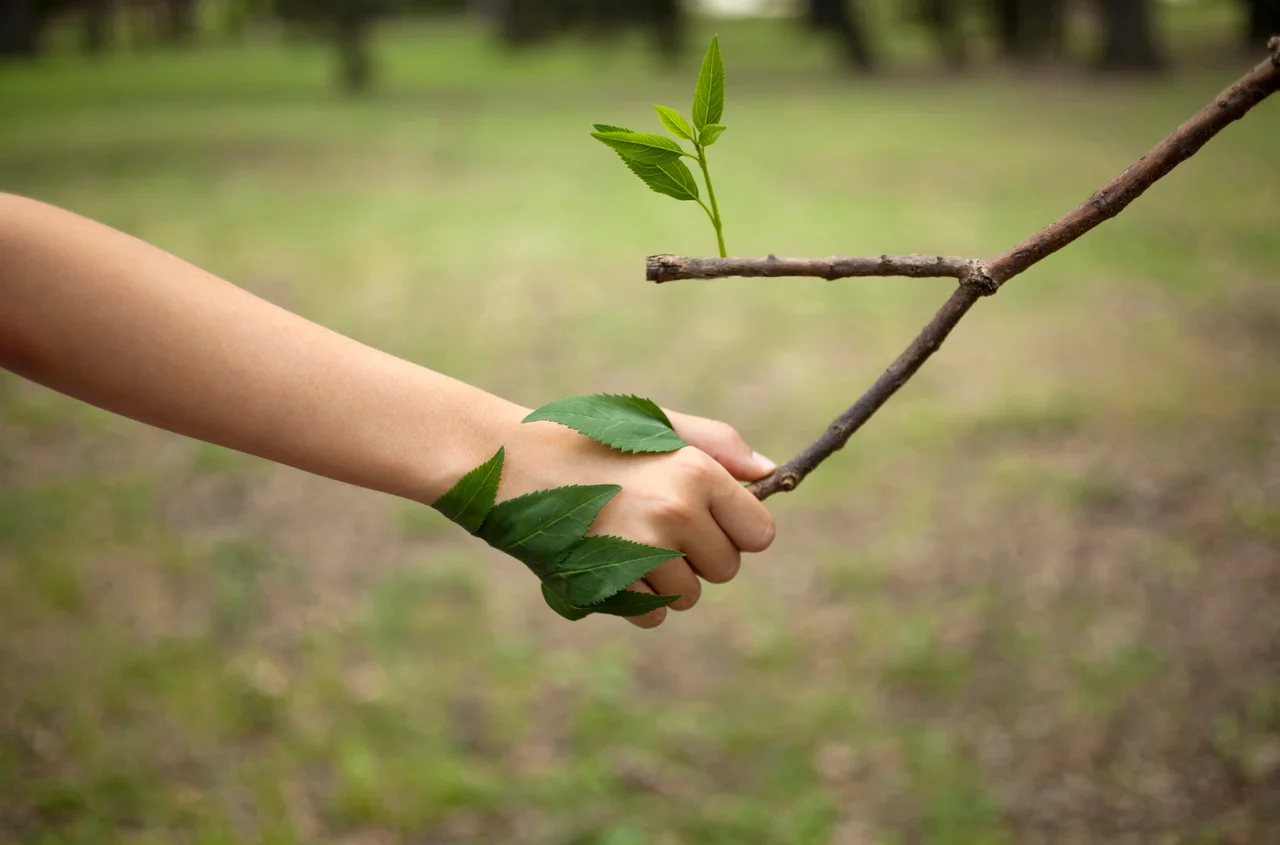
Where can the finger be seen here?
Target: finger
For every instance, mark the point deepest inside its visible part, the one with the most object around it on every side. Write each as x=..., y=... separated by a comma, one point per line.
x=676, y=578
x=743, y=517
x=722, y=442
x=710, y=552
x=653, y=618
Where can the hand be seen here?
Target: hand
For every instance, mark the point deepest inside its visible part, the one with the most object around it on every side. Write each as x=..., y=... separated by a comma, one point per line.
x=688, y=500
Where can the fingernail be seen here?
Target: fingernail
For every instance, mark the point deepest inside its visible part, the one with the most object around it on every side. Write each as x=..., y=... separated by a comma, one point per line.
x=764, y=463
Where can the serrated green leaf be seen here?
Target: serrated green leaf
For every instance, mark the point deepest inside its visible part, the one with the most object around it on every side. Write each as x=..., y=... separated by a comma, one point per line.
x=675, y=122
x=599, y=567
x=625, y=423
x=711, y=134
x=631, y=603
x=559, y=605
x=605, y=127
x=708, y=98
x=538, y=528
x=626, y=603
x=671, y=178
x=641, y=146
x=469, y=501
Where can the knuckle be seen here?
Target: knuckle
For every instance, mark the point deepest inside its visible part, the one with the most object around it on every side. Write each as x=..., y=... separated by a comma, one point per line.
x=699, y=467
x=729, y=436
x=673, y=511
x=724, y=573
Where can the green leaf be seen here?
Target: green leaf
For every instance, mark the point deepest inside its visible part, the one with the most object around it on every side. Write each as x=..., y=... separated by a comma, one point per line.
x=641, y=146
x=559, y=605
x=631, y=603
x=469, y=501
x=708, y=99
x=599, y=567
x=538, y=528
x=626, y=603
x=675, y=123
x=605, y=127
x=626, y=423
x=711, y=133
x=672, y=178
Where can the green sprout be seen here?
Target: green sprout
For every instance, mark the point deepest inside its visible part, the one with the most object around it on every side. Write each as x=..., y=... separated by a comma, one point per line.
x=657, y=159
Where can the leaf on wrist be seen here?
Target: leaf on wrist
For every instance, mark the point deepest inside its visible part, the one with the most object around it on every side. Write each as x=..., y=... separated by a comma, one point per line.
x=469, y=501
x=625, y=423
x=708, y=98
x=538, y=528
x=603, y=566
x=675, y=123
x=641, y=146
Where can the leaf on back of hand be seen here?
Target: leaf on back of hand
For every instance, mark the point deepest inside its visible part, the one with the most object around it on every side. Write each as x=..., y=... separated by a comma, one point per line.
x=672, y=178
x=708, y=98
x=711, y=133
x=469, y=501
x=538, y=528
x=559, y=605
x=602, y=566
x=675, y=123
x=641, y=146
x=632, y=603
x=626, y=423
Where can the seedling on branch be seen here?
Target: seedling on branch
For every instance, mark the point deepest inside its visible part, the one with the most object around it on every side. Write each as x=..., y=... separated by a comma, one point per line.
x=657, y=160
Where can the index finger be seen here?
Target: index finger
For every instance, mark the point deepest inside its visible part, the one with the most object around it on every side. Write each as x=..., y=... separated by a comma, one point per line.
x=742, y=516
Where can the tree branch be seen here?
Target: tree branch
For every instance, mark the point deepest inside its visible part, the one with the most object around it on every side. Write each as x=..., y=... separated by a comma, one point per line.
x=978, y=278
x=669, y=268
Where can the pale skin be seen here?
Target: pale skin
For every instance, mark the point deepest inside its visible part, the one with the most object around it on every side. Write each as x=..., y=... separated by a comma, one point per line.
x=108, y=319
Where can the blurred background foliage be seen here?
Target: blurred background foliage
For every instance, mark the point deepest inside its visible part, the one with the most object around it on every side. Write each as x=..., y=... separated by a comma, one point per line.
x=1126, y=36
x=1035, y=600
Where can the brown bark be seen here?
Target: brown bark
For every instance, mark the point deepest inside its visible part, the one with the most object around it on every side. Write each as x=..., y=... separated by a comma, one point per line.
x=978, y=278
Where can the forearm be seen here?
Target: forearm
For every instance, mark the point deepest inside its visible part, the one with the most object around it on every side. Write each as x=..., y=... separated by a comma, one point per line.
x=110, y=320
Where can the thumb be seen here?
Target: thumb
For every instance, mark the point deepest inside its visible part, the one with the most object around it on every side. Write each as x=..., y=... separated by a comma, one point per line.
x=722, y=442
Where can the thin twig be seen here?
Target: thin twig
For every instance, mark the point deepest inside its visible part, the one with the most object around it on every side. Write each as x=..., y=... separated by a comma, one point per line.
x=669, y=268
x=977, y=278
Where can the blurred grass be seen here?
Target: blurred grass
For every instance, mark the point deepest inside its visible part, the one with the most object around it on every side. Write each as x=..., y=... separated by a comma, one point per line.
x=1034, y=600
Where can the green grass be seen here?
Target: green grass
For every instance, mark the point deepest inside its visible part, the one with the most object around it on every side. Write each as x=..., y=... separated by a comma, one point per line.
x=1042, y=577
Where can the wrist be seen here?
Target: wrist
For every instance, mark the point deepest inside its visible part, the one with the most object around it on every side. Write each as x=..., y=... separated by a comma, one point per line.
x=479, y=424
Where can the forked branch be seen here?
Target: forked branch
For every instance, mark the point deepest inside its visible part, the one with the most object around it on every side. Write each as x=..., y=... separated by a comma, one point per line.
x=977, y=277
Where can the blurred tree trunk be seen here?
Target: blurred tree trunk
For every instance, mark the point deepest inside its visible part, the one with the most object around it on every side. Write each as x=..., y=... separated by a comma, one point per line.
x=19, y=28
x=843, y=19
x=1129, y=41
x=99, y=22
x=1029, y=29
x=179, y=21
x=668, y=28
x=943, y=17
x=353, y=20
x=1263, y=21
x=522, y=22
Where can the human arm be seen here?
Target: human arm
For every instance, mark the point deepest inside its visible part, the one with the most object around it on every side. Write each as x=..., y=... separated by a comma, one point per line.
x=110, y=320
